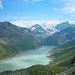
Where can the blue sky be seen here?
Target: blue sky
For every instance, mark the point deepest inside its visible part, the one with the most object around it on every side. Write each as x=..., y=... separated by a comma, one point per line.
x=14, y=10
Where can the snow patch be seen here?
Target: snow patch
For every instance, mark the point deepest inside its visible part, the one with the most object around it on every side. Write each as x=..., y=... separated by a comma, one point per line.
x=33, y=28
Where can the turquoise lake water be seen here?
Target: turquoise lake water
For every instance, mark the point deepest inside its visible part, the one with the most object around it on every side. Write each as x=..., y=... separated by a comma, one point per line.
x=27, y=59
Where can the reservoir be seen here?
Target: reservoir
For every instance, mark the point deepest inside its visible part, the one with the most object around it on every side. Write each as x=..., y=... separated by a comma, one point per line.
x=27, y=59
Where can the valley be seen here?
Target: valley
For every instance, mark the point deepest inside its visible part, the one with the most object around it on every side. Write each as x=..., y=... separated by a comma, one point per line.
x=58, y=40
x=37, y=37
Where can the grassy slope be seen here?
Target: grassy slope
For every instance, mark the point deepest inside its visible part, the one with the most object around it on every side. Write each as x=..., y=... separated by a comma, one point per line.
x=6, y=52
x=64, y=53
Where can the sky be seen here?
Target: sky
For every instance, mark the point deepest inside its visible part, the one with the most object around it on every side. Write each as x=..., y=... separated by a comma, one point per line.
x=14, y=10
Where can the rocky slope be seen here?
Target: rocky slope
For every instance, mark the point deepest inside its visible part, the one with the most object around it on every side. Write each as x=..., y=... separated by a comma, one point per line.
x=69, y=71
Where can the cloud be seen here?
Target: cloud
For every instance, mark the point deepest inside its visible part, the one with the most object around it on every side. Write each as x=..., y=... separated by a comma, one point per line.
x=15, y=18
x=1, y=7
x=73, y=16
x=68, y=6
x=55, y=9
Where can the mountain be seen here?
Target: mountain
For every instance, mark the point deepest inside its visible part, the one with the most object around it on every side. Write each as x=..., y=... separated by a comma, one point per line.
x=41, y=31
x=61, y=37
x=37, y=29
x=14, y=39
x=63, y=25
x=49, y=26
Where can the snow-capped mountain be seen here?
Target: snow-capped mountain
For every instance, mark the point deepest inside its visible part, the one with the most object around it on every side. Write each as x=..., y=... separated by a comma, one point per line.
x=43, y=29
x=37, y=29
x=64, y=25
x=48, y=26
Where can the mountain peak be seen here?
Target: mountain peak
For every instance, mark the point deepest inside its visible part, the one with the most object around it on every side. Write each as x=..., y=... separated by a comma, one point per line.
x=64, y=25
x=37, y=29
x=36, y=25
x=67, y=22
x=6, y=23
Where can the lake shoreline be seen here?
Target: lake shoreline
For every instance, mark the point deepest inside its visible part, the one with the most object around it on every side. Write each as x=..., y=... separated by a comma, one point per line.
x=9, y=58
x=19, y=54
x=48, y=55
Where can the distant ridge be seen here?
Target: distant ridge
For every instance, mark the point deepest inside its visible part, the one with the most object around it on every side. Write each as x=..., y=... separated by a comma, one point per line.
x=61, y=37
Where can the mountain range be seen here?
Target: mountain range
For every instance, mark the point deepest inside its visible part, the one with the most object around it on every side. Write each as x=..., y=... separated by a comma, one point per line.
x=19, y=39
x=49, y=26
x=15, y=39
